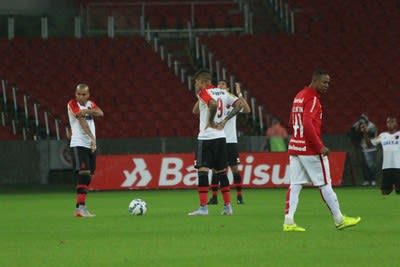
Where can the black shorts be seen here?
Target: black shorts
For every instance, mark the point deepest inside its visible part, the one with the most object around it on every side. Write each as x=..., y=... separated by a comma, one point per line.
x=390, y=177
x=211, y=154
x=83, y=159
x=233, y=154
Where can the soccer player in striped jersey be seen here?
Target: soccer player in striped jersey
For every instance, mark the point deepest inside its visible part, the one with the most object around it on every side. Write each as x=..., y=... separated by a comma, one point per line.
x=232, y=148
x=390, y=142
x=211, y=147
x=308, y=156
x=81, y=111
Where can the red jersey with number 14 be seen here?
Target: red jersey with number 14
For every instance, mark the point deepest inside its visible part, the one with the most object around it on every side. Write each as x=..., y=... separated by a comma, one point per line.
x=305, y=120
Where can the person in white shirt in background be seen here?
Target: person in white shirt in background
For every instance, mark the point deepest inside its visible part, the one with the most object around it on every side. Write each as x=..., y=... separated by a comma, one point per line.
x=390, y=142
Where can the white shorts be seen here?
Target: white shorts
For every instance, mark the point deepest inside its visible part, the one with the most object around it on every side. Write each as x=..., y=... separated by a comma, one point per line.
x=309, y=169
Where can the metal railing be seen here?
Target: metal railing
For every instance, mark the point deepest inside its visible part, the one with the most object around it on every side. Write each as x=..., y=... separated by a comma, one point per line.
x=134, y=17
x=26, y=118
x=285, y=14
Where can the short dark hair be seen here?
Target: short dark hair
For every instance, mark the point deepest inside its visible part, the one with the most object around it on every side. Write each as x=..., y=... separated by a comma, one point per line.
x=318, y=73
x=82, y=85
x=202, y=74
x=391, y=117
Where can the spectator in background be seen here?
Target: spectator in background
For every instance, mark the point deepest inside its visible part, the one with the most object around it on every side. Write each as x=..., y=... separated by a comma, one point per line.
x=368, y=154
x=390, y=142
x=276, y=137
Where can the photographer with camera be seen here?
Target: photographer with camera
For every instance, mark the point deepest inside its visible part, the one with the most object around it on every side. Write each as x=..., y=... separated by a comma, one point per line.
x=368, y=154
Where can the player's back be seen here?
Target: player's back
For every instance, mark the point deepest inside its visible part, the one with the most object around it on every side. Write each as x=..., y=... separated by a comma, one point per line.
x=223, y=100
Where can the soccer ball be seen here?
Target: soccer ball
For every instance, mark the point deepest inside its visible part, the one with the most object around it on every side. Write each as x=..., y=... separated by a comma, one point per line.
x=137, y=207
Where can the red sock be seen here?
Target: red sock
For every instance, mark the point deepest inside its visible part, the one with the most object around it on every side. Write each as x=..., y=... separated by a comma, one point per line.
x=238, y=191
x=226, y=195
x=203, y=195
x=80, y=199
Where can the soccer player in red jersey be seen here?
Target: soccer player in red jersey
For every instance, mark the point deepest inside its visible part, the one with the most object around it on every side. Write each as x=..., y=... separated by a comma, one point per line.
x=81, y=111
x=308, y=156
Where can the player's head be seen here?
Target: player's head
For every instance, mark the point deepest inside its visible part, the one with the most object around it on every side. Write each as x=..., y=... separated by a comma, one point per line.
x=82, y=93
x=223, y=85
x=320, y=81
x=202, y=78
x=275, y=121
x=391, y=123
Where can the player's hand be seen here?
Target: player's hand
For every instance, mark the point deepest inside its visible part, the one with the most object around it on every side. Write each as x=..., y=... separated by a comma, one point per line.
x=83, y=113
x=214, y=125
x=93, y=145
x=221, y=125
x=324, y=151
x=238, y=89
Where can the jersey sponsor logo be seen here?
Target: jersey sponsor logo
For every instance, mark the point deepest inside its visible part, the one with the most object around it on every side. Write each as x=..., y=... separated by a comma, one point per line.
x=217, y=93
x=177, y=171
x=390, y=142
x=297, y=148
x=298, y=100
x=88, y=117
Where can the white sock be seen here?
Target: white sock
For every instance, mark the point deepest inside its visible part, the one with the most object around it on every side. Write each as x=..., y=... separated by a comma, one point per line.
x=330, y=198
x=292, y=200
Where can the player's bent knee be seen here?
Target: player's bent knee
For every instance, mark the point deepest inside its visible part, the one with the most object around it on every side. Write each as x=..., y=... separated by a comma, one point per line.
x=84, y=172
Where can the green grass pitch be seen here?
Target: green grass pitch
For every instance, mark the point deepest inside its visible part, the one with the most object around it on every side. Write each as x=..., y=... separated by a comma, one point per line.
x=37, y=229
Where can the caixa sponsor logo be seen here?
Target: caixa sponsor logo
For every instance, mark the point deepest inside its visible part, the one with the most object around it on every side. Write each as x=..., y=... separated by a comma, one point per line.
x=174, y=171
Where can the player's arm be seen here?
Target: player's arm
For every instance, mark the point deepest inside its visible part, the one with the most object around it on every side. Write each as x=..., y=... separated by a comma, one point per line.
x=212, y=105
x=212, y=108
x=237, y=106
x=96, y=112
x=310, y=133
x=86, y=129
x=196, y=109
x=246, y=107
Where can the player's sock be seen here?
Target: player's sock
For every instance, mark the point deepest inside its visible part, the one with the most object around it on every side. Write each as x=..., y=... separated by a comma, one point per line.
x=292, y=200
x=81, y=193
x=203, y=187
x=82, y=189
x=330, y=198
x=214, y=185
x=225, y=190
x=237, y=181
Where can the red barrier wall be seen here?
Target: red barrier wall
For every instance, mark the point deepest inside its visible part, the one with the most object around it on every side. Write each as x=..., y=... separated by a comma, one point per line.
x=156, y=171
